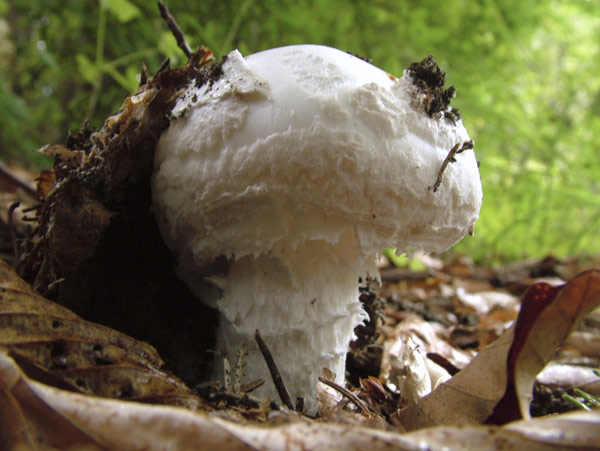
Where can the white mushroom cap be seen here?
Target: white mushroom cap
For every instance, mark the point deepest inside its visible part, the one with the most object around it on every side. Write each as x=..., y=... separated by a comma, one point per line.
x=305, y=142
x=300, y=159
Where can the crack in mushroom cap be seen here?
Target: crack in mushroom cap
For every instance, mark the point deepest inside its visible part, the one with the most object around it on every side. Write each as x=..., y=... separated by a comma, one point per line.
x=306, y=143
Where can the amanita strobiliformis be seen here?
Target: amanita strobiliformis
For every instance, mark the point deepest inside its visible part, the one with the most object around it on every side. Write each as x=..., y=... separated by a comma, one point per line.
x=298, y=165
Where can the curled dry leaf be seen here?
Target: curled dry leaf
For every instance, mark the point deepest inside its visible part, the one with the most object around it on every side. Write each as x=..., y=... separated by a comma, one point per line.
x=548, y=316
x=53, y=345
x=579, y=430
x=497, y=385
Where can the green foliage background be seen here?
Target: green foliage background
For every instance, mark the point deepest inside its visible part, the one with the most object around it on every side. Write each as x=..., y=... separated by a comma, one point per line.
x=526, y=73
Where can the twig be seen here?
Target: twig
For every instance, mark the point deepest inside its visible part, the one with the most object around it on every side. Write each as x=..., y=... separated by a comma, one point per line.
x=450, y=159
x=251, y=386
x=34, y=207
x=11, y=226
x=226, y=366
x=143, y=75
x=172, y=24
x=164, y=66
x=277, y=380
x=348, y=394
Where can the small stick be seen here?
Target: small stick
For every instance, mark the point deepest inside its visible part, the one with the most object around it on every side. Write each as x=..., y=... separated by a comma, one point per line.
x=251, y=386
x=226, y=366
x=143, y=75
x=172, y=24
x=450, y=159
x=277, y=380
x=165, y=65
x=13, y=232
x=348, y=394
x=32, y=208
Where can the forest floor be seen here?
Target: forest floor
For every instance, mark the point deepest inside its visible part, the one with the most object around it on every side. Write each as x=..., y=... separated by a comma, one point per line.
x=428, y=314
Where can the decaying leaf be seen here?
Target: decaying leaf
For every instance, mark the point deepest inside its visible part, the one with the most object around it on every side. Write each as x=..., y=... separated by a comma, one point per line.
x=568, y=431
x=497, y=385
x=549, y=315
x=35, y=416
x=409, y=372
x=53, y=345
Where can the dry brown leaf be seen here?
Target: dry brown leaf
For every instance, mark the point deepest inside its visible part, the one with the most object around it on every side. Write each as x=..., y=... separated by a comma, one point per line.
x=569, y=376
x=9, y=279
x=45, y=182
x=35, y=416
x=497, y=385
x=55, y=346
x=578, y=430
x=469, y=397
x=586, y=343
x=548, y=316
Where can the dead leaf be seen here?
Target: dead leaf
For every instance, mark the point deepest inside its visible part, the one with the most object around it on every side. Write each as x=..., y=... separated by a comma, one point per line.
x=35, y=416
x=429, y=336
x=578, y=429
x=497, y=385
x=586, y=343
x=570, y=376
x=45, y=182
x=53, y=345
x=408, y=371
x=548, y=316
x=469, y=397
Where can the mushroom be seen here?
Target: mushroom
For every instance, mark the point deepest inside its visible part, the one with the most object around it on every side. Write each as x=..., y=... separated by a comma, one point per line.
x=278, y=182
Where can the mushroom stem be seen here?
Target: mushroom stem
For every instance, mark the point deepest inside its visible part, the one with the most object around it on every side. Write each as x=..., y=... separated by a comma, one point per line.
x=305, y=303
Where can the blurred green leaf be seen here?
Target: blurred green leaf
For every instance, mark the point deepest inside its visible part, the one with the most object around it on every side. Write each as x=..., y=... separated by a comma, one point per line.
x=168, y=47
x=123, y=9
x=123, y=80
x=87, y=69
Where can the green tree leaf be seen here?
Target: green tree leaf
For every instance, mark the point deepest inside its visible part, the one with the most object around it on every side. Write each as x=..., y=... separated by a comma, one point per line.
x=87, y=69
x=123, y=9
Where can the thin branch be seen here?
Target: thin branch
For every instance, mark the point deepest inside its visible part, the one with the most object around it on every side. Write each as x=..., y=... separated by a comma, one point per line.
x=226, y=366
x=450, y=159
x=172, y=24
x=143, y=75
x=348, y=394
x=277, y=380
x=13, y=233
x=251, y=386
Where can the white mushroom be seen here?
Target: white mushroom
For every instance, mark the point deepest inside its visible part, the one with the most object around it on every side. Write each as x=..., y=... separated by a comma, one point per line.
x=297, y=166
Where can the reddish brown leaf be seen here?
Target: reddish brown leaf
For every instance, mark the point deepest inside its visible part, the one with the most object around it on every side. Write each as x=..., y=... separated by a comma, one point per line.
x=534, y=302
x=572, y=303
